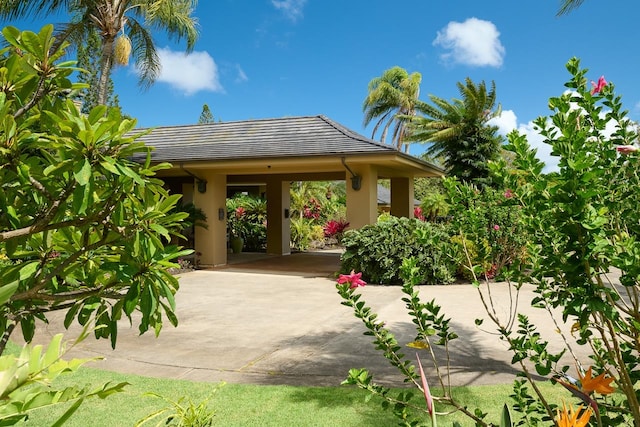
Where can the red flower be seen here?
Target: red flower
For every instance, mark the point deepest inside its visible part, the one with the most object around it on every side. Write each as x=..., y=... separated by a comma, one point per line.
x=626, y=149
x=240, y=211
x=508, y=193
x=597, y=87
x=496, y=227
x=417, y=213
x=354, y=279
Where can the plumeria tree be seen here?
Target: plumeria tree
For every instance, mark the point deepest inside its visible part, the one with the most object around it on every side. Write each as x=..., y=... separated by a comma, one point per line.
x=83, y=228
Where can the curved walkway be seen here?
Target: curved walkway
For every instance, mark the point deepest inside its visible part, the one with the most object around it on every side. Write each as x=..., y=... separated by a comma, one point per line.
x=267, y=322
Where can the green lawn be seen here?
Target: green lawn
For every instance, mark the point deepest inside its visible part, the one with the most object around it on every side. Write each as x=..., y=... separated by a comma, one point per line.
x=252, y=405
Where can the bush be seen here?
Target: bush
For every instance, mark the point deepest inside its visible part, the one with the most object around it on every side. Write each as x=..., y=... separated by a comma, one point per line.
x=303, y=232
x=378, y=250
x=247, y=218
x=492, y=225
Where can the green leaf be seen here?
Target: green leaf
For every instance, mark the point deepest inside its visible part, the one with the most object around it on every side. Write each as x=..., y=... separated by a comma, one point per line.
x=69, y=412
x=83, y=174
x=505, y=420
x=7, y=291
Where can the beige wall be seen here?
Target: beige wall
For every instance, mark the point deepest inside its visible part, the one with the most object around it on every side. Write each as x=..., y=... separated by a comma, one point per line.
x=362, y=205
x=278, y=227
x=212, y=242
x=402, y=197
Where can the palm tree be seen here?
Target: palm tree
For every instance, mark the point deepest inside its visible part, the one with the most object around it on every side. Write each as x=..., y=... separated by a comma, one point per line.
x=393, y=100
x=124, y=27
x=459, y=133
x=569, y=5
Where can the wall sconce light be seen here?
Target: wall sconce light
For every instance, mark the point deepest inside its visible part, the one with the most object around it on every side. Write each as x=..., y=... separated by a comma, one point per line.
x=201, y=183
x=286, y=214
x=356, y=180
x=221, y=214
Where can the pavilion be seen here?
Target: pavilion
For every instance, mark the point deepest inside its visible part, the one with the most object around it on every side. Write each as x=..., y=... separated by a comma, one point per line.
x=207, y=158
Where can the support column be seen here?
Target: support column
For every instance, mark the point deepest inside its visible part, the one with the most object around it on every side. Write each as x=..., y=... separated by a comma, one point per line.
x=278, y=222
x=402, y=197
x=212, y=242
x=362, y=204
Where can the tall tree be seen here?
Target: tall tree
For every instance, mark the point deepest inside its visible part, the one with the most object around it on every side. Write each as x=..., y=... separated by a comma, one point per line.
x=206, y=116
x=459, y=131
x=89, y=60
x=393, y=100
x=124, y=26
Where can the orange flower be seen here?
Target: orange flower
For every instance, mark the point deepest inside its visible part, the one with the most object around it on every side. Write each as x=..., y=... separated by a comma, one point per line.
x=569, y=418
x=599, y=384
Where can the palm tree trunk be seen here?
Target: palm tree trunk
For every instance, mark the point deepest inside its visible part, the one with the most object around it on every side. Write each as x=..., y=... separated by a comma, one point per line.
x=106, y=63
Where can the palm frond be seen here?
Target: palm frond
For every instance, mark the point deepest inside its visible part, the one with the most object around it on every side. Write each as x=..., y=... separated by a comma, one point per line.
x=144, y=53
x=568, y=6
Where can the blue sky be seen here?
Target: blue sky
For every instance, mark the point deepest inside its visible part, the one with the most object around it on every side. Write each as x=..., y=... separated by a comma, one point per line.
x=275, y=58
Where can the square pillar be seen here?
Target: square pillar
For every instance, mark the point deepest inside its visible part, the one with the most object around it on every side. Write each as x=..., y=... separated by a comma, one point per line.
x=212, y=241
x=402, y=197
x=362, y=204
x=278, y=222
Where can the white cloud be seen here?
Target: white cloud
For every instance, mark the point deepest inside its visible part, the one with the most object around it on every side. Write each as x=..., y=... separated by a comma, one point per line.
x=291, y=8
x=189, y=73
x=508, y=121
x=241, y=76
x=473, y=42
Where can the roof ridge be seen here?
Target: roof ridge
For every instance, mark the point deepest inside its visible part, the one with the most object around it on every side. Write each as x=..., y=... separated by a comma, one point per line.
x=352, y=134
x=265, y=119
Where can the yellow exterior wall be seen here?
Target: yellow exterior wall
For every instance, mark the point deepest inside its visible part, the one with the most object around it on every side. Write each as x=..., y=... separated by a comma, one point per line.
x=212, y=242
x=402, y=197
x=278, y=223
x=362, y=205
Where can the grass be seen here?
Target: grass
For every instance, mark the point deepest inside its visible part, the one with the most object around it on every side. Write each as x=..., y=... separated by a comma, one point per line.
x=253, y=405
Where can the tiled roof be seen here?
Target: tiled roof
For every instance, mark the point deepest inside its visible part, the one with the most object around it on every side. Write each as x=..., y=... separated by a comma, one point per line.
x=255, y=139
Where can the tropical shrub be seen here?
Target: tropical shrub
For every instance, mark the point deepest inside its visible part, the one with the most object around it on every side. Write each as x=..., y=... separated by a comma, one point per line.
x=247, y=218
x=304, y=232
x=486, y=226
x=583, y=259
x=335, y=228
x=378, y=250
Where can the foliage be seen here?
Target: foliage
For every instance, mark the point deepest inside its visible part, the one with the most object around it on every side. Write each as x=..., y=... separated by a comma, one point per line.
x=206, y=116
x=569, y=5
x=304, y=231
x=181, y=413
x=459, y=131
x=393, y=100
x=432, y=328
x=583, y=221
x=89, y=57
x=82, y=224
x=25, y=382
x=124, y=26
x=583, y=259
x=317, y=200
x=379, y=249
x=487, y=227
x=335, y=228
x=246, y=218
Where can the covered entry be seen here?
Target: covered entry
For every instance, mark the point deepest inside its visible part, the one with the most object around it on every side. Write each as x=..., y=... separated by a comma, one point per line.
x=274, y=153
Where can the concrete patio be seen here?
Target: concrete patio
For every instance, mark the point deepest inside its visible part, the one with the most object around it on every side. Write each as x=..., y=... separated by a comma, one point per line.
x=278, y=320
